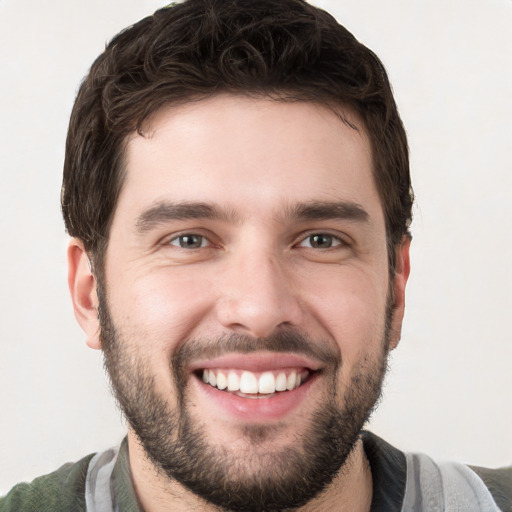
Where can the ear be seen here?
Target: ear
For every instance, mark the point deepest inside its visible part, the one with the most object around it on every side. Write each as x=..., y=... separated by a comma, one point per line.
x=82, y=285
x=402, y=270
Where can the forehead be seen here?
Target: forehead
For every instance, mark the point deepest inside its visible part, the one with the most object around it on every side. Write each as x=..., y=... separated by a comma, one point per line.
x=251, y=155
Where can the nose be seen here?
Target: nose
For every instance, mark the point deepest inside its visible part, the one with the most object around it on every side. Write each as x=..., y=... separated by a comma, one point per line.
x=257, y=296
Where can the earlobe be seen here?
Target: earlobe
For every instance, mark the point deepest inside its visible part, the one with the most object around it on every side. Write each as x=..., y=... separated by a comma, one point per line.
x=82, y=286
x=402, y=270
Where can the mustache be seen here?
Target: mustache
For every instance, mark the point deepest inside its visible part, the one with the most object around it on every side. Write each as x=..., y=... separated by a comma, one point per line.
x=280, y=341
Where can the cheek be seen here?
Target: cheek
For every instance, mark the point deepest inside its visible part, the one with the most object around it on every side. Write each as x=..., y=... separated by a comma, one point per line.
x=352, y=308
x=163, y=307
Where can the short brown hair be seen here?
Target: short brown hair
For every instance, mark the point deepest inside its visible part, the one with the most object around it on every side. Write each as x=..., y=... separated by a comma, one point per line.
x=283, y=49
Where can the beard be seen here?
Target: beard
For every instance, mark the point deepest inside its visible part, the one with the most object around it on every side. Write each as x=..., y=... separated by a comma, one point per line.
x=253, y=478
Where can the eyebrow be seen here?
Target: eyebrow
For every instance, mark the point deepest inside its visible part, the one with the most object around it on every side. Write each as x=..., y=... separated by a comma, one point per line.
x=163, y=212
x=328, y=210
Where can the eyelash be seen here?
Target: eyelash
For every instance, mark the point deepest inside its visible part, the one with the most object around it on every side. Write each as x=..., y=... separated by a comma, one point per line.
x=189, y=235
x=333, y=240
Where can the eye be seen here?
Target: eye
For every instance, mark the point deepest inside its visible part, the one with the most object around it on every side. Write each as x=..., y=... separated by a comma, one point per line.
x=320, y=241
x=189, y=241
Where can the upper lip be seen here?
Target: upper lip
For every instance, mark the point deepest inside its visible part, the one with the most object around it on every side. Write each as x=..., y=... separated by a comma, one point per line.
x=256, y=362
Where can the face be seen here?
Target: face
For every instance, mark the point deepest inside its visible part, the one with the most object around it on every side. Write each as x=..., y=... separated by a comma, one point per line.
x=246, y=313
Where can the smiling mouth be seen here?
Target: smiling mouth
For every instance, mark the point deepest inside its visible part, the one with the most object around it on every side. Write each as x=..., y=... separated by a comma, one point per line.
x=248, y=384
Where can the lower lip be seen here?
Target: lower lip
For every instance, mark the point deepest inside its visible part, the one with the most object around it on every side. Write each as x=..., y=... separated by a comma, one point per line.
x=256, y=410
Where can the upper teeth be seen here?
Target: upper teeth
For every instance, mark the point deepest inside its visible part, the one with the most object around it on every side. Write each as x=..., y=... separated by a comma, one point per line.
x=251, y=383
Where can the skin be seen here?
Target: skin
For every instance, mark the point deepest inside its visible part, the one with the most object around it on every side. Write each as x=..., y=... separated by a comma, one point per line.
x=255, y=272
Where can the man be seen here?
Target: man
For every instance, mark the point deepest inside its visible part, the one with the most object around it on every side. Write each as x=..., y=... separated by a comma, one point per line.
x=237, y=190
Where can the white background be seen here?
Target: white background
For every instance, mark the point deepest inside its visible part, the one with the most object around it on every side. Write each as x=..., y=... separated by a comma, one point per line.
x=449, y=390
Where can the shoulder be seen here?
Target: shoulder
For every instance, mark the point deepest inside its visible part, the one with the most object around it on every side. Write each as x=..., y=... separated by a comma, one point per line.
x=62, y=490
x=455, y=486
x=499, y=483
x=414, y=481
